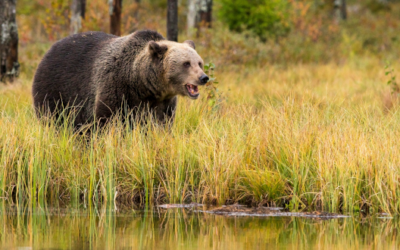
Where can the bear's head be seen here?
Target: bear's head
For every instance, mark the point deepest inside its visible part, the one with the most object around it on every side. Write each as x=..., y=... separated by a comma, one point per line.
x=182, y=66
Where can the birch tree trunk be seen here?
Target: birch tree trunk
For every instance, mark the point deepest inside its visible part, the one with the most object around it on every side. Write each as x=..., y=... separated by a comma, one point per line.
x=191, y=16
x=115, y=16
x=172, y=20
x=78, y=9
x=9, y=66
x=199, y=15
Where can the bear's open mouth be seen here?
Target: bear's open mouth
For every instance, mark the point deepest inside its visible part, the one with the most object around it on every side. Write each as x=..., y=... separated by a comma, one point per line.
x=193, y=90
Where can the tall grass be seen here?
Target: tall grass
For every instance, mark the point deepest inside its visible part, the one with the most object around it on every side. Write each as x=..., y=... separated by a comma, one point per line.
x=307, y=136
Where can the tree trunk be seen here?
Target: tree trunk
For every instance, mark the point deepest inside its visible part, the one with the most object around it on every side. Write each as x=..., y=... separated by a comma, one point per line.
x=191, y=16
x=115, y=16
x=83, y=8
x=340, y=9
x=78, y=9
x=205, y=13
x=172, y=20
x=9, y=66
x=199, y=15
x=136, y=13
x=343, y=10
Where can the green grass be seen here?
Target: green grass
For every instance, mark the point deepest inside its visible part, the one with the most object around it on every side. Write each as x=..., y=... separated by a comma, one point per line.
x=306, y=136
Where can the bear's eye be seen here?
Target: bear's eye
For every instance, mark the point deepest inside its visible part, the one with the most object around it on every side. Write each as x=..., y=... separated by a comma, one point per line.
x=186, y=64
x=201, y=65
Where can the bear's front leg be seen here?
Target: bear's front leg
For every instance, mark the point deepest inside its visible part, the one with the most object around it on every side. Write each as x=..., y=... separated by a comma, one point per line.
x=105, y=107
x=165, y=111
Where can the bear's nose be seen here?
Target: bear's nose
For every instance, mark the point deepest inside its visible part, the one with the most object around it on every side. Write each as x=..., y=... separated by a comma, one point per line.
x=204, y=79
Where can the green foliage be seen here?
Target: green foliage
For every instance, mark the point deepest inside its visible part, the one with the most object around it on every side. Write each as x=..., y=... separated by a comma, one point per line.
x=213, y=96
x=389, y=71
x=265, y=18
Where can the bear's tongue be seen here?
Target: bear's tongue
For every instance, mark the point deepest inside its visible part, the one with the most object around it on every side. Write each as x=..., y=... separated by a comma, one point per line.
x=192, y=89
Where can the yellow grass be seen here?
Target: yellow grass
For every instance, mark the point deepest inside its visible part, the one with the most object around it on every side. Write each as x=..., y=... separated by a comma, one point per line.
x=305, y=136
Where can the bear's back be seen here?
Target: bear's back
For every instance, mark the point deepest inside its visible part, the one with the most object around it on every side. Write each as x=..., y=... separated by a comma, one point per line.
x=64, y=74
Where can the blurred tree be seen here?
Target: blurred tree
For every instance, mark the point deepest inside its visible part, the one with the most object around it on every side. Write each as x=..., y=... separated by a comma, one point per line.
x=340, y=9
x=78, y=9
x=205, y=12
x=115, y=16
x=136, y=13
x=191, y=16
x=9, y=66
x=172, y=20
x=199, y=14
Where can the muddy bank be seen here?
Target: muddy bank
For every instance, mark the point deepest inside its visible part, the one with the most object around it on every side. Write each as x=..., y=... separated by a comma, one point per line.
x=191, y=205
x=240, y=210
x=235, y=210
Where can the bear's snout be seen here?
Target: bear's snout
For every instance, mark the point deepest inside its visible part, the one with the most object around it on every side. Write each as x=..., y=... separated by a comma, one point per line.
x=204, y=79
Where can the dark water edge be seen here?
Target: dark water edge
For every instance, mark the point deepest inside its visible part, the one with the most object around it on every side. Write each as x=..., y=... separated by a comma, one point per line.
x=78, y=227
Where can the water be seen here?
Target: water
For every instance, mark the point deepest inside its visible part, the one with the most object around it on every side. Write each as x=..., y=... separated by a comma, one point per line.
x=101, y=228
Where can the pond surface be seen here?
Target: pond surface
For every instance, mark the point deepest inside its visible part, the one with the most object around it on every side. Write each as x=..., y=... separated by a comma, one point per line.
x=27, y=228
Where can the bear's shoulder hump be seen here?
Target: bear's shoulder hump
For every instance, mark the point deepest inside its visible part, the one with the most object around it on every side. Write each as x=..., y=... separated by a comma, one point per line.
x=148, y=35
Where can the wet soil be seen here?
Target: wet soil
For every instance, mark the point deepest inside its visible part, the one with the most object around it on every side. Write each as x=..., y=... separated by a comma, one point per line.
x=238, y=210
x=241, y=210
x=180, y=205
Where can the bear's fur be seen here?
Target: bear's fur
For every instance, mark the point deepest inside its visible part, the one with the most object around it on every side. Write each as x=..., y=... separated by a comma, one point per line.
x=98, y=75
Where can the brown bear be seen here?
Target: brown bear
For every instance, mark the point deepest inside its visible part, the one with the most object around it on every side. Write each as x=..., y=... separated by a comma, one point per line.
x=98, y=75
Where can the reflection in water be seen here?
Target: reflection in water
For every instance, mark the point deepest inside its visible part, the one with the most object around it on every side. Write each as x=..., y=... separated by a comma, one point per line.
x=101, y=228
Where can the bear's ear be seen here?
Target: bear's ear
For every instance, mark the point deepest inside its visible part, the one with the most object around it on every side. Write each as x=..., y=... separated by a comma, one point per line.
x=190, y=43
x=157, y=50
